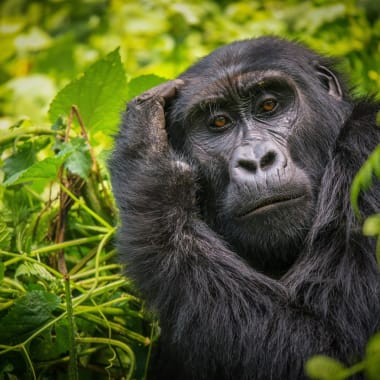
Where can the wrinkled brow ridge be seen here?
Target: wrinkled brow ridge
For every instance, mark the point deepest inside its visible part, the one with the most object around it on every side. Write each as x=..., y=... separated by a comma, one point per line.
x=219, y=90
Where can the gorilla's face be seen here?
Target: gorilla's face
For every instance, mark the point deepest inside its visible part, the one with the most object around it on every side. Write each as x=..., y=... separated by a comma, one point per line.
x=261, y=138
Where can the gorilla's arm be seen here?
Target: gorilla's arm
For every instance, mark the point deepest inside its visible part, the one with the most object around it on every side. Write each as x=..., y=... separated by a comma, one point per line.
x=215, y=309
x=338, y=276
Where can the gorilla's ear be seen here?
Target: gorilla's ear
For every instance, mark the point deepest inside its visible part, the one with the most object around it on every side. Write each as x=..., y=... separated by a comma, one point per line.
x=330, y=81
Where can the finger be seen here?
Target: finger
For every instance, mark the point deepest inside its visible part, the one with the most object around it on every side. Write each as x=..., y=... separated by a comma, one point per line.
x=162, y=92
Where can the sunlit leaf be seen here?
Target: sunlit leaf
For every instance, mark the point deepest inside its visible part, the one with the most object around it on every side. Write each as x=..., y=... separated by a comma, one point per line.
x=33, y=269
x=138, y=85
x=371, y=225
x=323, y=368
x=99, y=95
x=373, y=358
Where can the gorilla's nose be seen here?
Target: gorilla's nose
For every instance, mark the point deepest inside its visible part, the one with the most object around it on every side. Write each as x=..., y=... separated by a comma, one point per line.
x=253, y=160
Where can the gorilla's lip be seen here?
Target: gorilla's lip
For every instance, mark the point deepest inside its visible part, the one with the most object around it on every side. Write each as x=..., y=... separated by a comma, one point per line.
x=271, y=202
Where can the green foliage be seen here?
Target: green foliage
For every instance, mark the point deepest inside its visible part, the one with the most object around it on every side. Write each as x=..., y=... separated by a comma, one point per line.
x=62, y=299
x=27, y=314
x=78, y=160
x=324, y=368
x=65, y=310
x=372, y=369
x=99, y=95
x=372, y=226
x=142, y=83
x=42, y=170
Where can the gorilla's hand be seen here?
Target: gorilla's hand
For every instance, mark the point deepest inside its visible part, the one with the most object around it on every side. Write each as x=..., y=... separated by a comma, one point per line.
x=144, y=121
x=154, y=186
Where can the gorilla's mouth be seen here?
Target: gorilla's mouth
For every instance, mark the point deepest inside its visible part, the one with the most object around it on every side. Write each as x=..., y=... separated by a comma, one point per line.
x=267, y=204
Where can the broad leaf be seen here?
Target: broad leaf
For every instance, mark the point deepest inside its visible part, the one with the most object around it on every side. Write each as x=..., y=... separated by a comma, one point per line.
x=373, y=358
x=52, y=344
x=324, y=368
x=138, y=85
x=99, y=95
x=74, y=154
x=43, y=170
x=27, y=314
x=79, y=161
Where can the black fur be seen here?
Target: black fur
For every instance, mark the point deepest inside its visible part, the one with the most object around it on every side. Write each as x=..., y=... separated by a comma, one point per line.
x=225, y=311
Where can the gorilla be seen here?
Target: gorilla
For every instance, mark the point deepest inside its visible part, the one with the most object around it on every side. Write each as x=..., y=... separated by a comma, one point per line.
x=233, y=185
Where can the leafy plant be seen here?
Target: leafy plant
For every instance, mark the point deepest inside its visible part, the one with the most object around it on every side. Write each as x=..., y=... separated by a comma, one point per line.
x=62, y=298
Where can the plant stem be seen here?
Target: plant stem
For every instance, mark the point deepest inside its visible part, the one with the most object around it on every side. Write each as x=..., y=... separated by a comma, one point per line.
x=73, y=371
x=55, y=247
x=89, y=272
x=113, y=342
x=113, y=326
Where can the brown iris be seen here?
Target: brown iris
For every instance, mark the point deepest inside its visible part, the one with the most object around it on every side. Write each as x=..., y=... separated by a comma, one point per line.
x=268, y=105
x=219, y=122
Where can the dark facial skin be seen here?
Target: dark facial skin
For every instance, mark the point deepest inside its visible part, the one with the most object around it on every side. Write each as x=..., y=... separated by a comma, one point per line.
x=238, y=128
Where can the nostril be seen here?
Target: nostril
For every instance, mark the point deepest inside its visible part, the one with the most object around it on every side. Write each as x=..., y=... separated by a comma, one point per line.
x=249, y=165
x=268, y=160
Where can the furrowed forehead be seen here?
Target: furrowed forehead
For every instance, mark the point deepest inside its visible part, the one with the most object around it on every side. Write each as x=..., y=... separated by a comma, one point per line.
x=199, y=92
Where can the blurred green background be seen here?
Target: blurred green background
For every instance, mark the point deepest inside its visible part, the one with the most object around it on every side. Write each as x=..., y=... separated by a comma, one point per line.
x=46, y=43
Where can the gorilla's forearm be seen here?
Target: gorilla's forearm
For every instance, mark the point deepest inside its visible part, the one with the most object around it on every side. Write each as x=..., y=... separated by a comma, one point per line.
x=164, y=241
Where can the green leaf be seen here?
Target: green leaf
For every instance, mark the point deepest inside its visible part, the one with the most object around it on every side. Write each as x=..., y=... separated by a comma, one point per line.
x=74, y=154
x=33, y=269
x=27, y=314
x=321, y=367
x=140, y=84
x=2, y=270
x=79, y=161
x=21, y=159
x=46, y=169
x=373, y=358
x=5, y=235
x=371, y=225
x=52, y=343
x=99, y=95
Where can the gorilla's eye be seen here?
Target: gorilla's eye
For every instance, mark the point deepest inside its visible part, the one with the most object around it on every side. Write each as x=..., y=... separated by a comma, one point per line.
x=219, y=122
x=268, y=105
